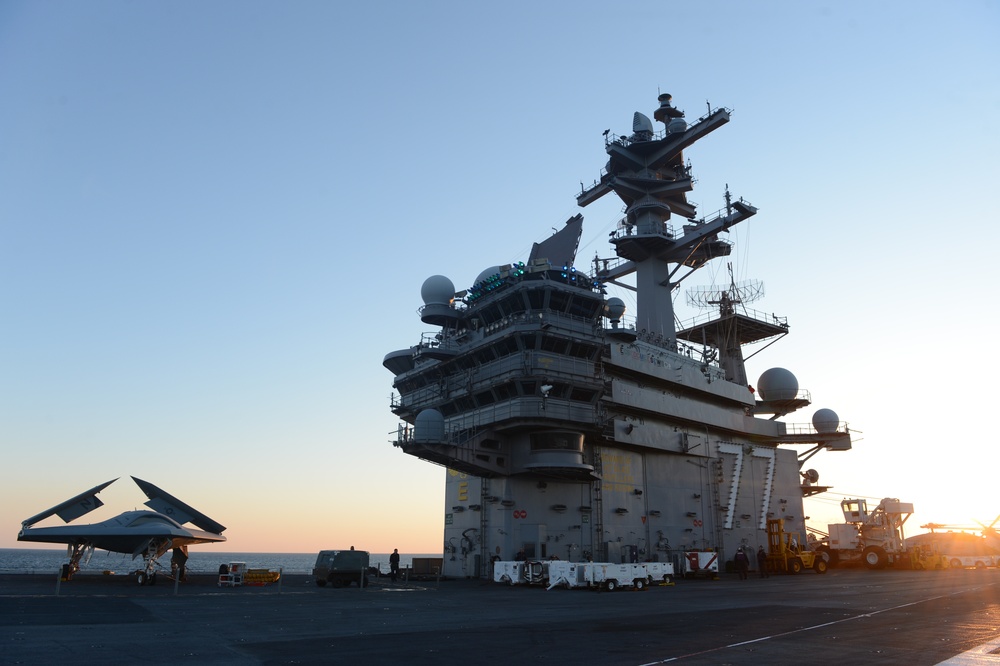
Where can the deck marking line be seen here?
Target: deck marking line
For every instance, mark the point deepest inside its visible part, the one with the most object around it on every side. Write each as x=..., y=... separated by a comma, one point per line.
x=981, y=655
x=817, y=626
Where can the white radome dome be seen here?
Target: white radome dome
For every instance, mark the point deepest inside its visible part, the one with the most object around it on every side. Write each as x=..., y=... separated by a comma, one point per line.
x=778, y=384
x=437, y=289
x=429, y=426
x=826, y=420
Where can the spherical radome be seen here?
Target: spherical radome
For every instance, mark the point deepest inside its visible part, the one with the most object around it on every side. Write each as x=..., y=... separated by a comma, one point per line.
x=826, y=420
x=437, y=289
x=487, y=273
x=429, y=426
x=778, y=384
x=614, y=308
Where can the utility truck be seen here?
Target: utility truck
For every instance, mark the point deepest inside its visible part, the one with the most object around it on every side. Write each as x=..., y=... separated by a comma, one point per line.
x=340, y=568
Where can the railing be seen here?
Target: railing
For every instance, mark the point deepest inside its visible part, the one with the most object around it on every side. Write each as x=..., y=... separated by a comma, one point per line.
x=548, y=318
x=626, y=229
x=809, y=429
x=610, y=139
x=467, y=426
x=656, y=136
x=763, y=317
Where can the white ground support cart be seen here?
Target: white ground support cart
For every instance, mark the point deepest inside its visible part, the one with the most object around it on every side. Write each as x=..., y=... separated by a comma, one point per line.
x=507, y=572
x=531, y=572
x=568, y=574
x=699, y=563
x=659, y=573
x=608, y=576
x=612, y=576
x=598, y=575
x=231, y=575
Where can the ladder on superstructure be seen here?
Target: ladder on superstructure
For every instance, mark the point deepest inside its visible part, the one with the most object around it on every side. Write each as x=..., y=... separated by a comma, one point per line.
x=599, y=546
x=484, y=555
x=717, y=518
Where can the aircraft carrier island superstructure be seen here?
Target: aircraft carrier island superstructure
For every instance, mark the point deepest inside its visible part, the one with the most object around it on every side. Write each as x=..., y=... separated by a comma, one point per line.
x=569, y=432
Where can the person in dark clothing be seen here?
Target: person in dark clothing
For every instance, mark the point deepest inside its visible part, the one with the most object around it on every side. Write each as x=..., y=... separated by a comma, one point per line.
x=742, y=563
x=394, y=564
x=762, y=562
x=178, y=562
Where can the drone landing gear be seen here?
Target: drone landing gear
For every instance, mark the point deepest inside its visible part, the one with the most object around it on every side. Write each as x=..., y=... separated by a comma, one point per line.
x=155, y=548
x=76, y=553
x=144, y=578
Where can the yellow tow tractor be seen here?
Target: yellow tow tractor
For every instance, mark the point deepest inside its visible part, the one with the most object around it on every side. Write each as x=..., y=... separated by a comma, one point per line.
x=785, y=553
x=926, y=556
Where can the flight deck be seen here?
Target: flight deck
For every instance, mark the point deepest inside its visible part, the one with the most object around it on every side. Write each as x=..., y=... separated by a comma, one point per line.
x=904, y=618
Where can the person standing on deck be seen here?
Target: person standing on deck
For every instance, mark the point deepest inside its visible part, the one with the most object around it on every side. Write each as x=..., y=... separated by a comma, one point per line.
x=394, y=564
x=762, y=562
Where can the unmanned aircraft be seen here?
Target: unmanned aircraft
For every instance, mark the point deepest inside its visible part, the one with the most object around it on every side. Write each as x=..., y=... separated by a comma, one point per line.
x=146, y=534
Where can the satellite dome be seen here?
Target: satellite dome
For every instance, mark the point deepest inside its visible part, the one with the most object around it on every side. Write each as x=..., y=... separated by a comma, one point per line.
x=614, y=308
x=429, y=426
x=825, y=420
x=487, y=274
x=778, y=384
x=437, y=289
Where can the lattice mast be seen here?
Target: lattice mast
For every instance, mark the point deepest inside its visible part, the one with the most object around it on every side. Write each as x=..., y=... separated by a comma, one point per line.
x=728, y=302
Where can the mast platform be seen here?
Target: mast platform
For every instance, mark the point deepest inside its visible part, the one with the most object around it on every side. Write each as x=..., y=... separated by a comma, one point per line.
x=748, y=327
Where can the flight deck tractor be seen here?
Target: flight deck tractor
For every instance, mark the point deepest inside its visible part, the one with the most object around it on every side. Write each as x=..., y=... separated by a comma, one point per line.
x=787, y=554
x=873, y=538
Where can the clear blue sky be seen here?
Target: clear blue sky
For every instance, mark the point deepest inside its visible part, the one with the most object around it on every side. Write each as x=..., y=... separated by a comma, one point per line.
x=215, y=219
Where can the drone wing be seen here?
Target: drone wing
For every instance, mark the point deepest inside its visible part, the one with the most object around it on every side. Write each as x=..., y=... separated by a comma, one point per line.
x=163, y=502
x=72, y=508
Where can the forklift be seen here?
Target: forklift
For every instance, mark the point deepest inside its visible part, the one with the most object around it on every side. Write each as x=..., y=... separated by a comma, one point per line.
x=785, y=553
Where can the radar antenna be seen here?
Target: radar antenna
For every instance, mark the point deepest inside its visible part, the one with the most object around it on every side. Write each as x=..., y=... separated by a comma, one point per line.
x=726, y=299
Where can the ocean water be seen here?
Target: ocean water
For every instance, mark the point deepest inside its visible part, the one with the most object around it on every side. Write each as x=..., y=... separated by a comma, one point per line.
x=201, y=560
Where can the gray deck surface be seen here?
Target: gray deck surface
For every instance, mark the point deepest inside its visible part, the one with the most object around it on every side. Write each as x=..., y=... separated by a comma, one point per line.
x=843, y=617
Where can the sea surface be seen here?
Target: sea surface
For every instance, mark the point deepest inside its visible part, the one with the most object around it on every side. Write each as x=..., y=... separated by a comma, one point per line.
x=201, y=560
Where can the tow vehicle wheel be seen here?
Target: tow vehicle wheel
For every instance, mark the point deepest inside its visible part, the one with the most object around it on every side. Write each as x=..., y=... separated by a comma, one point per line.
x=956, y=564
x=819, y=566
x=610, y=585
x=795, y=566
x=874, y=557
x=640, y=583
x=141, y=578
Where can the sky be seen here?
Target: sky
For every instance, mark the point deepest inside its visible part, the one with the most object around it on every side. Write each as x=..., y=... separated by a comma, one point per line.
x=215, y=220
